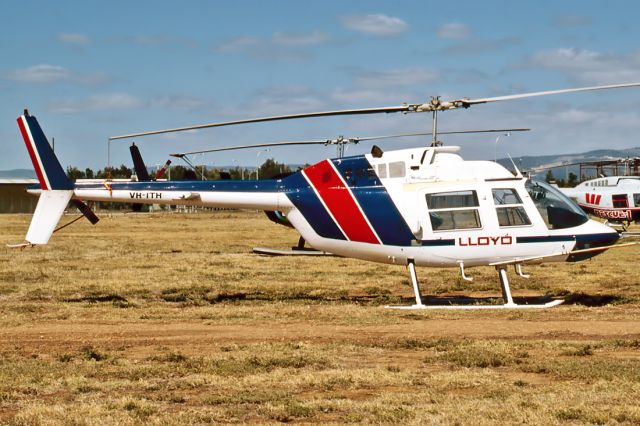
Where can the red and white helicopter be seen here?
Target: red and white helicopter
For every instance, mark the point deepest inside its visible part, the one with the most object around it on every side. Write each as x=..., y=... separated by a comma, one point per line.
x=413, y=207
x=614, y=198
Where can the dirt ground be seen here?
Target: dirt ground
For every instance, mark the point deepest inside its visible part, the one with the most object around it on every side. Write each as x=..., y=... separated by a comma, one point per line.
x=169, y=319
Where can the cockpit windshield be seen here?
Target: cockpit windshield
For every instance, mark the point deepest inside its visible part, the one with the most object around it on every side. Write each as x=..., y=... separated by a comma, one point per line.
x=557, y=210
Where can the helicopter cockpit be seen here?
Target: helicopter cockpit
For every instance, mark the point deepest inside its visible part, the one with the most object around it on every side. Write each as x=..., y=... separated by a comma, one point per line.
x=556, y=209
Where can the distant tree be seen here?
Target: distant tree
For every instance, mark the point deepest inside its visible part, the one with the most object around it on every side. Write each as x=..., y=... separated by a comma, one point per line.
x=123, y=172
x=74, y=173
x=271, y=168
x=238, y=173
x=549, y=177
x=573, y=180
x=183, y=173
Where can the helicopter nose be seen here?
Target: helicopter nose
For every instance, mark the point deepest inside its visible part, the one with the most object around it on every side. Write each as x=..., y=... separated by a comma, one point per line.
x=596, y=234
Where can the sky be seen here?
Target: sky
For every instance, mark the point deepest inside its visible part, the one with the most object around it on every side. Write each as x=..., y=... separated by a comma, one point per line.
x=89, y=70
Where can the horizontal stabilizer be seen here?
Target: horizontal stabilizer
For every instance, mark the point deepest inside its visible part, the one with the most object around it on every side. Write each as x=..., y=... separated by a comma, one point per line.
x=48, y=212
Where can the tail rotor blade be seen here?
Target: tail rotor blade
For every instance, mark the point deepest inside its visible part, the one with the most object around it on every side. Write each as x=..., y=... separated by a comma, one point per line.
x=86, y=211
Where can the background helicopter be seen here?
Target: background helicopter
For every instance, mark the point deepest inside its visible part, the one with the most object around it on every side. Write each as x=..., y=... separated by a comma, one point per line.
x=613, y=198
x=413, y=207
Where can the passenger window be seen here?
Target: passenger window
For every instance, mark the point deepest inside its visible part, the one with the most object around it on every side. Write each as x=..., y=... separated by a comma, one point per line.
x=382, y=170
x=397, y=169
x=444, y=200
x=509, y=208
x=512, y=216
x=453, y=210
x=636, y=200
x=620, y=201
x=505, y=196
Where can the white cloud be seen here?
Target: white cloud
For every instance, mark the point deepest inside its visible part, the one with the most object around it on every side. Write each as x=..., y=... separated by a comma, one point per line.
x=376, y=24
x=163, y=41
x=50, y=74
x=104, y=102
x=300, y=39
x=43, y=74
x=238, y=44
x=589, y=67
x=74, y=39
x=453, y=30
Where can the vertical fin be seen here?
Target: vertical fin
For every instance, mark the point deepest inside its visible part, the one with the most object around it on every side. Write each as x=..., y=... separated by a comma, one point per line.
x=138, y=164
x=48, y=169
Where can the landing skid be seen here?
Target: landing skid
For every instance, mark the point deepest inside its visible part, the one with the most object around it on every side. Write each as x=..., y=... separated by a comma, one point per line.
x=504, y=284
x=292, y=252
x=457, y=307
x=299, y=250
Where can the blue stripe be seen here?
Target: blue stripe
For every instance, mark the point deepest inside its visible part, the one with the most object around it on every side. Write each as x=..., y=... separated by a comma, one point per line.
x=266, y=185
x=307, y=202
x=545, y=239
x=582, y=240
x=374, y=200
x=438, y=243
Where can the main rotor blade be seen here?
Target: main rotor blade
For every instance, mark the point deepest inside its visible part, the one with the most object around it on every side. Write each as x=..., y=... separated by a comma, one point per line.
x=259, y=145
x=457, y=132
x=341, y=140
x=401, y=108
x=434, y=105
x=468, y=102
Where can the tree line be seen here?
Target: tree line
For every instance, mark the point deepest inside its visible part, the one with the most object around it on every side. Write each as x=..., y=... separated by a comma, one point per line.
x=572, y=180
x=268, y=170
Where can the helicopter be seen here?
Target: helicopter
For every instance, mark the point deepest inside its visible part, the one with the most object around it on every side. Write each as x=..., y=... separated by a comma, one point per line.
x=614, y=198
x=423, y=206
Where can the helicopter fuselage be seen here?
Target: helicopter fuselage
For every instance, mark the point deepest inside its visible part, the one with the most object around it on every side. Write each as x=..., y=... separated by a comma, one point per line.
x=615, y=198
x=427, y=205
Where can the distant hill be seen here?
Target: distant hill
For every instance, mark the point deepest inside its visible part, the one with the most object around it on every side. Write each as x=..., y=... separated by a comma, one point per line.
x=530, y=162
x=18, y=174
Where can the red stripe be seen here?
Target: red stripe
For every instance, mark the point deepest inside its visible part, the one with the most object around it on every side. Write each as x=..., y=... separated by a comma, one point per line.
x=32, y=154
x=340, y=202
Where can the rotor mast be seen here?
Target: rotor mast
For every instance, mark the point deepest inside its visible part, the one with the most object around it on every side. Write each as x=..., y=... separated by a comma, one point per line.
x=434, y=131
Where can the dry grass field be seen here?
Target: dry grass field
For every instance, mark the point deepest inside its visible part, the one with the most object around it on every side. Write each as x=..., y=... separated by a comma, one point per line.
x=168, y=319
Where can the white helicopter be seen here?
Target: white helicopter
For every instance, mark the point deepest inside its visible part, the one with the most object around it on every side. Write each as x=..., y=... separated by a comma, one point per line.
x=614, y=198
x=412, y=207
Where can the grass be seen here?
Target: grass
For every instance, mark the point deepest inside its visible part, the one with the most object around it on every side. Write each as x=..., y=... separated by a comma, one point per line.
x=167, y=319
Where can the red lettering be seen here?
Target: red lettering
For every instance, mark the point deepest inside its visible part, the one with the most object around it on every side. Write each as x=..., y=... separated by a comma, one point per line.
x=485, y=241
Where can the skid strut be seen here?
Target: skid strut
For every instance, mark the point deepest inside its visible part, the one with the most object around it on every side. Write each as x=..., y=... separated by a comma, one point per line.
x=504, y=285
x=411, y=266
